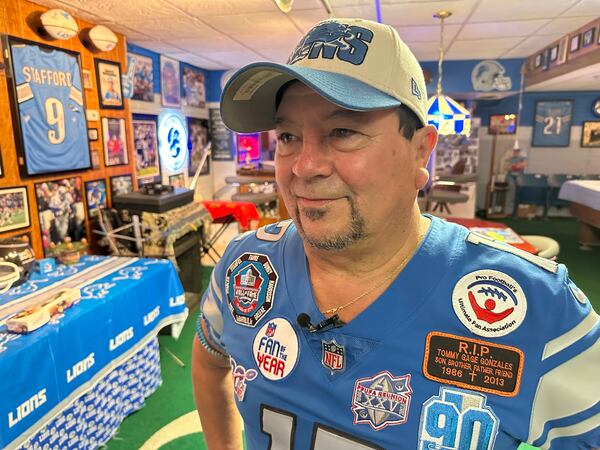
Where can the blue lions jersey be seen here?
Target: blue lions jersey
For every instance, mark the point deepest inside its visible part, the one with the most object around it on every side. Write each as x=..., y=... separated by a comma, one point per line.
x=51, y=109
x=475, y=345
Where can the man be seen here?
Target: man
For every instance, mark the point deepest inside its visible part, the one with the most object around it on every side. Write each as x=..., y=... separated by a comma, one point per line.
x=363, y=324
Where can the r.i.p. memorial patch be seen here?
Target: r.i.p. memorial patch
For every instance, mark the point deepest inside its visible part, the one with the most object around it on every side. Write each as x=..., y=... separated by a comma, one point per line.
x=250, y=286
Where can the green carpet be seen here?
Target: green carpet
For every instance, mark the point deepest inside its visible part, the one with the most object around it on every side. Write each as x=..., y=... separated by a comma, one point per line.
x=174, y=398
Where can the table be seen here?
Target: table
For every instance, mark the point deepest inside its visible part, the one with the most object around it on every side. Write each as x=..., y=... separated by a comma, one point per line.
x=584, y=203
x=70, y=383
x=495, y=230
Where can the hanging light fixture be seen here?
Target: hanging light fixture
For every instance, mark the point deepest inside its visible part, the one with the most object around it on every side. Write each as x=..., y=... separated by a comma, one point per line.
x=520, y=107
x=448, y=116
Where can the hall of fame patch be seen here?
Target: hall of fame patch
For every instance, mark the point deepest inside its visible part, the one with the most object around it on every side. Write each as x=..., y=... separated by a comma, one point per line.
x=250, y=287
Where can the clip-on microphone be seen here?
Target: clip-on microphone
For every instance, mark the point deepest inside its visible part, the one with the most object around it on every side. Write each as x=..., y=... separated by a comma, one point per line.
x=334, y=321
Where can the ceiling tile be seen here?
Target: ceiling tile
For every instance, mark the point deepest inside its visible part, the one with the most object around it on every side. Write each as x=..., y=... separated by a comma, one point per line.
x=517, y=53
x=499, y=29
x=359, y=12
x=427, y=56
x=425, y=46
x=207, y=8
x=119, y=9
x=587, y=8
x=305, y=20
x=215, y=43
x=494, y=10
x=427, y=33
x=489, y=44
x=234, y=59
x=479, y=52
x=421, y=13
x=271, y=23
x=262, y=42
x=564, y=25
x=534, y=43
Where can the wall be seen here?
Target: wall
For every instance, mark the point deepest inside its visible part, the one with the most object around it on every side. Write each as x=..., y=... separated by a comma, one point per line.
x=13, y=21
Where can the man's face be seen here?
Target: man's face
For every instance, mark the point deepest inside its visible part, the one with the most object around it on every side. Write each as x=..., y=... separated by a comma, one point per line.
x=344, y=175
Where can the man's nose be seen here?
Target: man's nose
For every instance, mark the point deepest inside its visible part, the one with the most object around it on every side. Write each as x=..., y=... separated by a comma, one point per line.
x=314, y=159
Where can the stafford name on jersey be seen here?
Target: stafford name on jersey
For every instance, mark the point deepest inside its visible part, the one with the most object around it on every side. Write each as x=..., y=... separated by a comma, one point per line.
x=47, y=76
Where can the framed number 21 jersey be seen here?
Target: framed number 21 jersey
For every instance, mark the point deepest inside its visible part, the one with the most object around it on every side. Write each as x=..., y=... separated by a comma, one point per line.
x=48, y=107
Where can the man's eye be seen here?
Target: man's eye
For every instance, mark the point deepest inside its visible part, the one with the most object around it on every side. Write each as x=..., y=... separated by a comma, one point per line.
x=284, y=138
x=342, y=133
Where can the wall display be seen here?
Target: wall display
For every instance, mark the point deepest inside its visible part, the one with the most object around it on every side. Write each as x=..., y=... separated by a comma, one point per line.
x=172, y=142
x=95, y=194
x=48, y=108
x=563, y=46
x=222, y=137
x=25, y=237
x=14, y=208
x=127, y=78
x=546, y=59
x=61, y=211
x=574, y=43
x=1, y=167
x=197, y=140
x=490, y=75
x=596, y=107
x=95, y=159
x=147, y=161
x=108, y=74
x=538, y=61
x=587, y=38
x=458, y=154
x=92, y=115
x=120, y=184
x=169, y=82
x=177, y=180
x=102, y=38
x=86, y=77
x=93, y=134
x=552, y=123
x=590, y=134
x=143, y=79
x=114, y=141
x=554, y=53
x=193, y=87
x=502, y=124
x=59, y=24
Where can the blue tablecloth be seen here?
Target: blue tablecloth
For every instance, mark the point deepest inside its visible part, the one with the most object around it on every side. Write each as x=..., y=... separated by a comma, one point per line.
x=124, y=302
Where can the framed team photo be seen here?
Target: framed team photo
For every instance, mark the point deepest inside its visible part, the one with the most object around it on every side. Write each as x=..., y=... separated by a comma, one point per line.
x=170, y=86
x=554, y=53
x=95, y=195
x=587, y=38
x=502, y=124
x=86, y=77
x=48, y=107
x=177, y=180
x=147, y=160
x=574, y=43
x=590, y=134
x=61, y=211
x=108, y=74
x=143, y=78
x=197, y=140
x=120, y=184
x=193, y=87
x=114, y=141
x=563, y=46
x=14, y=208
x=552, y=123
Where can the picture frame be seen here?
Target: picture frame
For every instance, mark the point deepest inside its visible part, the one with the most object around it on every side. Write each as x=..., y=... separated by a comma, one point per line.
x=538, y=61
x=177, y=180
x=93, y=134
x=198, y=137
x=110, y=93
x=95, y=159
x=502, y=124
x=552, y=123
x=170, y=84
x=61, y=211
x=1, y=165
x=114, y=142
x=590, y=134
x=46, y=132
x=25, y=237
x=86, y=78
x=587, y=37
x=120, y=184
x=554, y=53
x=145, y=141
x=14, y=208
x=193, y=87
x=574, y=43
x=546, y=59
x=143, y=78
x=563, y=45
x=95, y=196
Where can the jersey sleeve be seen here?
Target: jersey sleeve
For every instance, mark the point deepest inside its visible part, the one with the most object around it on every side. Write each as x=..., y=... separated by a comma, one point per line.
x=565, y=412
x=209, y=325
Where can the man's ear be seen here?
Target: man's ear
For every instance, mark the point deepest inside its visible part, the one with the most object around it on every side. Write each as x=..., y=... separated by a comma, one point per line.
x=425, y=140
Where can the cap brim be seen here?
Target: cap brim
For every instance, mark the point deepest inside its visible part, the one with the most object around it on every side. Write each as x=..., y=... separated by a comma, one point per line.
x=248, y=99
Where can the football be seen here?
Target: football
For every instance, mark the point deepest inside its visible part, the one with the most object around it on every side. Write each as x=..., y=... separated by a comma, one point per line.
x=103, y=38
x=59, y=24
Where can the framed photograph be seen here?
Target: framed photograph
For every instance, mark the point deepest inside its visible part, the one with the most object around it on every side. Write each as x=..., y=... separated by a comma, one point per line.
x=95, y=159
x=169, y=82
x=147, y=160
x=197, y=140
x=143, y=79
x=49, y=118
x=546, y=59
x=61, y=211
x=554, y=53
x=552, y=123
x=120, y=184
x=177, y=180
x=563, y=46
x=502, y=124
x=590, y=134
x=86, y=77
x=93, y=134
x=108, y=74
x=95, y=195
x=538, y=61
x=14, y=208
x=193, y=87
x=574, y=43
x=222, y=147
x=587, y=38
x=25, y=237
x=114, y=141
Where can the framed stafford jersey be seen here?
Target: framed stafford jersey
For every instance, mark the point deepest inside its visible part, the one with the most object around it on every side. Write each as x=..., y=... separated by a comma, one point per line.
x=48, y=107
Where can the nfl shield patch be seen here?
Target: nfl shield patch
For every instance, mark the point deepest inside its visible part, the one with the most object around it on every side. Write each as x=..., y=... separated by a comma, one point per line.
x=333, y=356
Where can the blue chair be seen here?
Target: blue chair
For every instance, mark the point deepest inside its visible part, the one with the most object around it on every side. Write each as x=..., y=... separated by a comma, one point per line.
x=531, y=189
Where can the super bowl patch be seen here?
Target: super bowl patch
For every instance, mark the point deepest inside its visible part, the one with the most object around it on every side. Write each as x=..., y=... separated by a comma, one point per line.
x=473, y=364
x=489, y=303
x=381, y=400
x=250, y=286
x=241, y=375
x=333, y=356
x=275, y=349
x=457, y=419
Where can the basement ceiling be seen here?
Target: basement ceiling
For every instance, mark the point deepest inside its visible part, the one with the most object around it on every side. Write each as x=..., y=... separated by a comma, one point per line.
x=226, y=34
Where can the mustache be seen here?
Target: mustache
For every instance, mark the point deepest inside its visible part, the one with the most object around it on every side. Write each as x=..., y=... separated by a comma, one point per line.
x=319, y=191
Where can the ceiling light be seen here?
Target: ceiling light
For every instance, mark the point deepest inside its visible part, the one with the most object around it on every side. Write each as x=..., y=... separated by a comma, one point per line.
x=284, y=5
